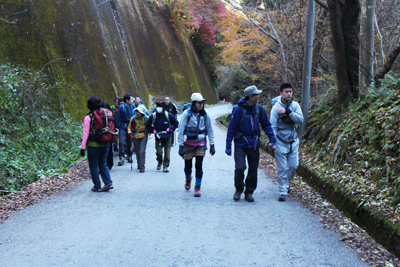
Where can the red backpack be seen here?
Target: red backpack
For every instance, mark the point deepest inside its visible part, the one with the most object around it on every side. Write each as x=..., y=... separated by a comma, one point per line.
x=102, y=129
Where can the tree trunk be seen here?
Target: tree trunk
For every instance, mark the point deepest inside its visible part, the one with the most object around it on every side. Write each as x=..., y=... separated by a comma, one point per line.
x=365, y=77
x=351, y=31
x=345, y=28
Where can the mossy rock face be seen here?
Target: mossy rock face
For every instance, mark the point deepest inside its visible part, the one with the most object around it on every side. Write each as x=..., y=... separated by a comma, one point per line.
x=107, y=49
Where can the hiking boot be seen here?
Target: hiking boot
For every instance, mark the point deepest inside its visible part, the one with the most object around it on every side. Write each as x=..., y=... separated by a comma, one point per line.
x=141, y=169
x=282, y=198
x=188, y=183
x=94, y=189
x=197, y=191
x=249, y=197
x=121, y=162
x=159, y=166
x=106, y=187
x=165, y=169
x=236, y=196
x=130, y=160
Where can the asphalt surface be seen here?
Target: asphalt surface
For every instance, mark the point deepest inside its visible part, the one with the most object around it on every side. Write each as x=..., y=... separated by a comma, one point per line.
x=149, y=219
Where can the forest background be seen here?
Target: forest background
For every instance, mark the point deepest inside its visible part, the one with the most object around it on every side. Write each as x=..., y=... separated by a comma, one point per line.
x=352, y=138
x=352, y=141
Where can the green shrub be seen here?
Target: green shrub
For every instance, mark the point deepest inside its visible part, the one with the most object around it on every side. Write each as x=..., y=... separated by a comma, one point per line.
x=36, y=138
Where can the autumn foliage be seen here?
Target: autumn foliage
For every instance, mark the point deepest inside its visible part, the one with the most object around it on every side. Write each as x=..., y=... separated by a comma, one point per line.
x=197, y=16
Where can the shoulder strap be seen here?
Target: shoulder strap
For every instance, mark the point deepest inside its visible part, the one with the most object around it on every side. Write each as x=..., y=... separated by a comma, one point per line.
x=154, y=117
x=243, y=115
x=167, y=115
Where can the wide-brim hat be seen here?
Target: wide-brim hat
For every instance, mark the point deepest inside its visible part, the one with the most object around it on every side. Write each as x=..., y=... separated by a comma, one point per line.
x=252, y=90
x=197, y=97
x=141, y=109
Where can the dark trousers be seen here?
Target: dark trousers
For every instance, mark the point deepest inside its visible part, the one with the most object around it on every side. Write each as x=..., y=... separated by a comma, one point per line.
x=97, y=157
x=253, y=157
x=167, y=151
x=123, y=139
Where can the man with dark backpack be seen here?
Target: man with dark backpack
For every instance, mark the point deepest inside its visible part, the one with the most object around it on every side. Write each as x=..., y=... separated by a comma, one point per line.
x=244, y=128
x=124, y=115
x=284, y=115
x=161, y=123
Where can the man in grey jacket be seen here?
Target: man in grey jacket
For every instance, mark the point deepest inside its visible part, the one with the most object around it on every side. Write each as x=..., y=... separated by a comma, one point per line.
x=284, y=115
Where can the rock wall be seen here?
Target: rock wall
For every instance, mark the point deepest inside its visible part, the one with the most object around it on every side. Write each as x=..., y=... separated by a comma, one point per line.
x=103, y=47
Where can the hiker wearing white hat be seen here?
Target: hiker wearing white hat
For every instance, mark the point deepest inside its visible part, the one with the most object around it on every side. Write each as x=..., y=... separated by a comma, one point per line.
x=138, y=132
x=195, y=125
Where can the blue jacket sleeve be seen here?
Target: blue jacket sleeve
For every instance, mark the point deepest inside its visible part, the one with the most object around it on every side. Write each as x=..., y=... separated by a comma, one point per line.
x=233, y=124
x=266, y=126
x=119, y=114
x=148, y=124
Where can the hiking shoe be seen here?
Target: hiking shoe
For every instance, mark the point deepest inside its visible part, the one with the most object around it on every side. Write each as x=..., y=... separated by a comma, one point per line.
x=95, y=189
x=106, y=187
x=197, y=191
x=282, y=198
x=249, y=197
x=130, y=160
x=121, y=162
x=141, y=169
x=188, y=183
x=236, y=196
x=165, y=169
x=159, y=166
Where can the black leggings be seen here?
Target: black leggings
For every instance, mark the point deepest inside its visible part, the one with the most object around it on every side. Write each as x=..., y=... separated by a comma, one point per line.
x=198, y=166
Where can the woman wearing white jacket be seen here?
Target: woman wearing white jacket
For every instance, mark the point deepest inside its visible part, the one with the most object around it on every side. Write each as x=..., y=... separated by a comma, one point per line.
x=194, y=128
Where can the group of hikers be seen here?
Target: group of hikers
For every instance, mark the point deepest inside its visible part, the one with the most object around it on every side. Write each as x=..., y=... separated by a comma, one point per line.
x=134, y=123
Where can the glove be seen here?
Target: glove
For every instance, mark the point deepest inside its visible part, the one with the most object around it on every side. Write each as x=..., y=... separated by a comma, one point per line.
x=228, y=151
x=181, y=151
x=212, y=150
x=82, y=152
x=167, y=130
x=154, y=132
x=130, y=136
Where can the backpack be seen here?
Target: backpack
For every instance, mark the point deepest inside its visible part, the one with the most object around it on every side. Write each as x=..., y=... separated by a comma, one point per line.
x=244, y=110
x=194, y=136
x=186, y=106
x=102, y=127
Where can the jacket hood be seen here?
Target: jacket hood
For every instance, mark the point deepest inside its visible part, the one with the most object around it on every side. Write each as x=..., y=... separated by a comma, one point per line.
x=242, y=102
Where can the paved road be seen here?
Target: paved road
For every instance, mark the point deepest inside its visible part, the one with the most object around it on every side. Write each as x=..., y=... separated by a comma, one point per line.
x=149, y=219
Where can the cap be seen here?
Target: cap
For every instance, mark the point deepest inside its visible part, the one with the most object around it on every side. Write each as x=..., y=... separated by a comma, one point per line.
x=197, y=97
x=160, y=103
x=252, y=90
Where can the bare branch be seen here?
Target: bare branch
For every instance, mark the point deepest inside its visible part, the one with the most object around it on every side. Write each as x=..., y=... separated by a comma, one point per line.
x=321, y=3
x=380, y=73
x=11, y=22
x=68, y=58
x=257, y=25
